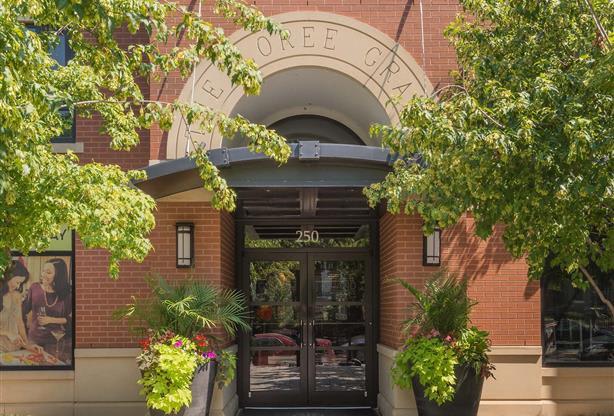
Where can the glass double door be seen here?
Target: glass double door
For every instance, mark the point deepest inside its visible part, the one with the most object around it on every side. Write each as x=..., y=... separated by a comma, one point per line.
x=311, y=339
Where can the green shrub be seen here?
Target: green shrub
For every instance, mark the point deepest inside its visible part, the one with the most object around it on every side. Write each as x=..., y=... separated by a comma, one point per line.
x=168, y=368
x=177, y=319
x=186, y=308
x=433, y=362
x=439, y=338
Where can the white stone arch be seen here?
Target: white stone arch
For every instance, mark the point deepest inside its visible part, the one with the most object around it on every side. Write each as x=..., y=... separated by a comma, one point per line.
x=318, y=40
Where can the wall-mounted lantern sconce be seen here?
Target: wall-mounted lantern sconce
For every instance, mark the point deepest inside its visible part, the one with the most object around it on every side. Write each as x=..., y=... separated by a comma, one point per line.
x=185, y=244
x=431, y=249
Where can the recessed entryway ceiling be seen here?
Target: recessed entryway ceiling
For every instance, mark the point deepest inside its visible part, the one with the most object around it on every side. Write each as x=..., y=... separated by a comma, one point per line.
x=313, y=91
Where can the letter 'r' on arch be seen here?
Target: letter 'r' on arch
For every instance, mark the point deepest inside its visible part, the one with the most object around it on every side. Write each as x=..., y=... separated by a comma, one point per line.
x=317, y=40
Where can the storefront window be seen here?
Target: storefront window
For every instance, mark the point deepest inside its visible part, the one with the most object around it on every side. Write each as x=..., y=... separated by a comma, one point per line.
x=578, y=328
x=37, y=308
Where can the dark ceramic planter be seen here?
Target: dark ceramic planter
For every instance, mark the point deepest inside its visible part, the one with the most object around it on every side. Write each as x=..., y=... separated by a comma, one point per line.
x=466, y=400
x=202, y=388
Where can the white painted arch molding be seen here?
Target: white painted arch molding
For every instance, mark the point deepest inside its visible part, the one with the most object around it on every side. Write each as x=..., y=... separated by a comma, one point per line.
x=317, y=40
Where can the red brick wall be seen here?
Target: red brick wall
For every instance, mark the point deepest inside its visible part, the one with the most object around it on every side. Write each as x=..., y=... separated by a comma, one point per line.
x=509, y=306
x=227, y=247
x=96, y=145
x=399, y=19
x=98, y=296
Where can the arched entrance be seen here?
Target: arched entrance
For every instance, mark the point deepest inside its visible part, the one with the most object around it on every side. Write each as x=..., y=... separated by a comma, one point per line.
x=331, y=66
x=318, y=96
x=306, y=241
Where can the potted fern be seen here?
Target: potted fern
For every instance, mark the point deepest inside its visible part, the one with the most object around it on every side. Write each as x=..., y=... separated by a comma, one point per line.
x=444, y=360
x=181, y=358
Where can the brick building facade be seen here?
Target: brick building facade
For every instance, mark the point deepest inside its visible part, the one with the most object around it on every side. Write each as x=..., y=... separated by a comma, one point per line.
x=343, y=62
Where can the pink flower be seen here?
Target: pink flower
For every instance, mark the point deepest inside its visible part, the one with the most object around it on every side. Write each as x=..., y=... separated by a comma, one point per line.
x=210, y=355
x=178, y=344
x=434, y=333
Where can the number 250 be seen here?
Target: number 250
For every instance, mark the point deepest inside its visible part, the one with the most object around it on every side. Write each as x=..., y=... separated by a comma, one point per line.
x=307, y=236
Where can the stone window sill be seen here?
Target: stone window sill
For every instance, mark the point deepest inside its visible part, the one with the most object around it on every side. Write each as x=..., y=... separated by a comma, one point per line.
x=64, y=147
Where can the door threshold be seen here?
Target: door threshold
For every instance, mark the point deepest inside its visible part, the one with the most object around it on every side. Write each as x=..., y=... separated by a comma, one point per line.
x=309, y=411
x=307, y=407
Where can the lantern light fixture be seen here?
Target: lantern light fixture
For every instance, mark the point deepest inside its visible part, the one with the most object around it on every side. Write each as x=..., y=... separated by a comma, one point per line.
x=185, y=245
x=431, y=249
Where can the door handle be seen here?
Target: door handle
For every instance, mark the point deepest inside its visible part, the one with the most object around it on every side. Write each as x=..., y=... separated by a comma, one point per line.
x=312, y=324
x=302, y=326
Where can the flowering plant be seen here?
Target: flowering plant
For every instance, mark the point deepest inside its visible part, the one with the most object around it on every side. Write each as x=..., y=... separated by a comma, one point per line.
x=178, y=320
x=440, y=339
x=168, y=362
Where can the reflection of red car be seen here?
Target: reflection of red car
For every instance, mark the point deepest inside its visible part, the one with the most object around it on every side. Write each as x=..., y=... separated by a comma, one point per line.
x=273, y=339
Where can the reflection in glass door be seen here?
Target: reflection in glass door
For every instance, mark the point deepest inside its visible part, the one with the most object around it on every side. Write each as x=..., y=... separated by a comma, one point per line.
x=339, y=326
x=277, y=357
x=311, y=329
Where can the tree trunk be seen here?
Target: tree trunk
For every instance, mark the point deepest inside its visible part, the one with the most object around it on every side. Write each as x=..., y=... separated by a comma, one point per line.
x=591, y=280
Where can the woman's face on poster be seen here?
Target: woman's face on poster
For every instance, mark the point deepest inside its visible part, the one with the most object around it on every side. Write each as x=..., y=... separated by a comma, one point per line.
x=15, y=281
x=48, y=274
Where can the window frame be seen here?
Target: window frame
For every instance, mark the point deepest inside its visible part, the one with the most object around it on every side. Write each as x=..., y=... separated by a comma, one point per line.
x=69, y=54
x=73, y=273
x=561, y=364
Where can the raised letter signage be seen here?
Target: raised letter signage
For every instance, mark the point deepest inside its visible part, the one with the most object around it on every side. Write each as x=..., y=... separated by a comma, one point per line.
x=315, y=40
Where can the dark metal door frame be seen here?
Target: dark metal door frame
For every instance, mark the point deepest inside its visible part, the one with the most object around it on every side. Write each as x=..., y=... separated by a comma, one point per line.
x=339, y=398
x=280, y=398
x=305, y=256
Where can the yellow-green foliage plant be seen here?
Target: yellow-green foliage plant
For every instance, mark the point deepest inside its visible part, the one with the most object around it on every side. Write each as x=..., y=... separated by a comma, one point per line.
x=440, y=338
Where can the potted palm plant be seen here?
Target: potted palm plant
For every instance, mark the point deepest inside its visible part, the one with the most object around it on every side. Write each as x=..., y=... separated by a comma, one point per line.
x=444, y=360
x=181, y=358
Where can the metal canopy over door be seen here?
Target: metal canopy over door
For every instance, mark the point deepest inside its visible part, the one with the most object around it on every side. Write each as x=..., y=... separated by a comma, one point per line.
x=311, y=329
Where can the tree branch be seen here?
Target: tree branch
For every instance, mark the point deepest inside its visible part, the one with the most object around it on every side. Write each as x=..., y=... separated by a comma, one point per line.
x=591, y=280
x=460, y=87
x=464, y=90
x=600, y=28
x=90, y=102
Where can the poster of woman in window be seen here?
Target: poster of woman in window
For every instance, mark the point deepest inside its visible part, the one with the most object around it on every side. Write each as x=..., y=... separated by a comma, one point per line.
x=36, y=309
